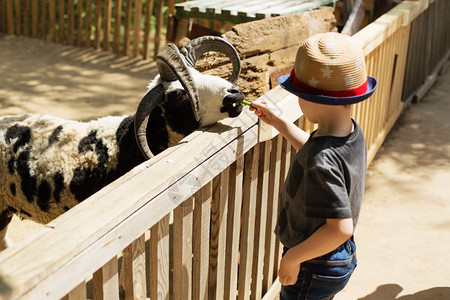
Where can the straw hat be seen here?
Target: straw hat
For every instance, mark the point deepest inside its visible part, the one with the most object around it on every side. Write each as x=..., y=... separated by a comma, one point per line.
x=329, y=69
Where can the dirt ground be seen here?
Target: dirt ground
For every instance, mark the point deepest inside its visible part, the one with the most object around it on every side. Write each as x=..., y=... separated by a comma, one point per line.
x=404, y=229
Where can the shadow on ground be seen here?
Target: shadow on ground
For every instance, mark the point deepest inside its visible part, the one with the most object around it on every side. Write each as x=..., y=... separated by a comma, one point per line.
x=391, y=291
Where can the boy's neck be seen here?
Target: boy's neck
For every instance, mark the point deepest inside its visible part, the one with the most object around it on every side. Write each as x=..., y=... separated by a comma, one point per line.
x=338, y=125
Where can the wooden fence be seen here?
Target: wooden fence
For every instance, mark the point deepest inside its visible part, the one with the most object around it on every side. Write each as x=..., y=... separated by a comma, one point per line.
x=196, y=222
x=123, y=26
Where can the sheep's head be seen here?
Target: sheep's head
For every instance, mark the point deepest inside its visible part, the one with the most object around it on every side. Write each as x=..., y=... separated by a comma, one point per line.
x=180, y=84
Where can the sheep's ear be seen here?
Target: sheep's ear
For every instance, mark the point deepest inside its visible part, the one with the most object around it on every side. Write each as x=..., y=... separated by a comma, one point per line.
x=197, y=47
x=172, y=66
x=152, y=99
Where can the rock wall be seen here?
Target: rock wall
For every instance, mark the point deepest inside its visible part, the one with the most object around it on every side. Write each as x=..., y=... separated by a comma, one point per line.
x=268, y=47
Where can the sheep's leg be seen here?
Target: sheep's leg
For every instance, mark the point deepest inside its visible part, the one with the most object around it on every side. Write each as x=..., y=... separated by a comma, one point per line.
x=5, y=218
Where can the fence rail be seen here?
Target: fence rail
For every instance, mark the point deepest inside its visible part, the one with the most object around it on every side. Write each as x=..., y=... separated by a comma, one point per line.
x=196, y=221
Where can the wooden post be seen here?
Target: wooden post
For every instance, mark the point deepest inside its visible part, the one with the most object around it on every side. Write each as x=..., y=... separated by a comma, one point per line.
x=233, y=228
x=137, y=27
x=147, y=30
x=117, y=24
x=126, y=38
x=182, y=250
x=70, y=22
x=106, y=281
x=158, y=28
x=61, y=13
x=202, y=213
x=88, y=23
x=134, y=268
x=107, y=24
x=98, y=23
x=159, y=260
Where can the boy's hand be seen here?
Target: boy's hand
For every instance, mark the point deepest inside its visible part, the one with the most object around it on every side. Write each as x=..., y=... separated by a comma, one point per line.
x=266, y=111
x=288, y=271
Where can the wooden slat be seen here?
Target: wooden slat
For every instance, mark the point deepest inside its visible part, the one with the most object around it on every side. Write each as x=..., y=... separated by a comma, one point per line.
x=261, y=220
x=219, y=211
x=3, y=16
x=79, y=22
x=61, y=14
x=117, y=24
x=44, y=19
x=78, y=293
x=10, y=16
x=273, y=188
x=127, y=24
x=106, y=281
x=233, y=228
x=34, y=18
x=137, y=27
x=248, y=222
x=18, y=17
x=158, y=26
x=134, y=277
x=70, y=22
x=202, y=214
x=88, y=23
x=147, y=29
x=159, y=260
x=98, y=23
x=182, y=250
x=107, y=24
x=26, y=17
x=51, y=36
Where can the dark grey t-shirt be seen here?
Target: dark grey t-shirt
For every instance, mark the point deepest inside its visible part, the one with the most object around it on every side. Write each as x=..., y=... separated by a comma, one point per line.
x=325, y=181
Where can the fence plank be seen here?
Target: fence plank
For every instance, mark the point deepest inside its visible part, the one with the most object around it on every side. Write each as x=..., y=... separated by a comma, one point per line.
x=219, y=211
x=127, y=25
x=70, y=22
x=88, y=23
x=26, y=17
x=107, y=25
x=260, y=220
x=159, y=260
x=18, y=17
x=98, y=23
x=251, y=160
x=34, y=18
x=182, y=250
x=117, y=24
x=158, y=26
x=10, y=16
x=137, y=27
x=233, y=228
x=106, y=281
x=274, y=173
x=202, y=213
x=134, y=277
x=147, y=29
x=79, y=22
x=78, y=293
x=61, y=14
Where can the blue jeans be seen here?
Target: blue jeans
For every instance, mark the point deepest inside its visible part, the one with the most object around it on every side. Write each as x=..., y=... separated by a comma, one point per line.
x=325, y=276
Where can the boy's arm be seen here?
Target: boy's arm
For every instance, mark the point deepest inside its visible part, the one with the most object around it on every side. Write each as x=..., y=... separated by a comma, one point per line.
x=268, y=113
x=327, y=238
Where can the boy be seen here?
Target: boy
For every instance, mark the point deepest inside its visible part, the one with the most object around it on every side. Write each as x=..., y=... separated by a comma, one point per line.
x=321, y=198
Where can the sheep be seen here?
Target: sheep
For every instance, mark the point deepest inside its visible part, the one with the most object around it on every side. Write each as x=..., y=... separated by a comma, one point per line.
x=48, y=164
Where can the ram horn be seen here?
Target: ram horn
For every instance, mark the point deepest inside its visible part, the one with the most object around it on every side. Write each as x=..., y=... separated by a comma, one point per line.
x=197, y=47
x=172, y=66
x=152, y=99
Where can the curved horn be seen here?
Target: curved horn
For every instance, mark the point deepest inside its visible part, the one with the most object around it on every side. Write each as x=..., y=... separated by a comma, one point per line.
x=172, y=66
x=153, y=97
x=197, y=47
